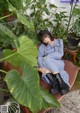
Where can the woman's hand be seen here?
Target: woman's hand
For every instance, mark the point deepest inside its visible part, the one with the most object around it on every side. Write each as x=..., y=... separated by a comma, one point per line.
x=43, y=70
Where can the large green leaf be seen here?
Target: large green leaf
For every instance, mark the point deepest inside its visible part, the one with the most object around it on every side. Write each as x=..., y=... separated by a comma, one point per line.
x=6, y=32
x=76, y=11
x=46, y=11
x=24, y=21
x=25, y=89
x=52, y=6
x=48, y=99
x=17, y=4
x=27, y=51
x=21, y=17
x=42, y=2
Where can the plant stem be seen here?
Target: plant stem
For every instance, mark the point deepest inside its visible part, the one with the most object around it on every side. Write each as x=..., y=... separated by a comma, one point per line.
x=3, y=71
x=5, y=90
x=71, y=14
x=5, y=16
x=69, y=18
x=2, y=59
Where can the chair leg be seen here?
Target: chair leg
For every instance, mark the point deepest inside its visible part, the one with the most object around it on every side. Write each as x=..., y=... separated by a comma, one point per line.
x=50, y=111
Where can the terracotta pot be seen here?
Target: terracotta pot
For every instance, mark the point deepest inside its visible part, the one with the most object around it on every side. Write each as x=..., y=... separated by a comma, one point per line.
x=26, y=110
x=1, y=96
x=7, y=67
x=9, y=18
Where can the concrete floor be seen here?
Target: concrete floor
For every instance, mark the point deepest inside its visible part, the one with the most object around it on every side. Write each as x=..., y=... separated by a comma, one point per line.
x=69, y=104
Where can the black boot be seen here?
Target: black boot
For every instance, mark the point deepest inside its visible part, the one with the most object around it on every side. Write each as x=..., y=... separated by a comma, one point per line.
x=54, y=82
x=64, y=88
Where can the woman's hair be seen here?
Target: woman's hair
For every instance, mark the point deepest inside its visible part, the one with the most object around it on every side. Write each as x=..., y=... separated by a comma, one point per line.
x=43, y=33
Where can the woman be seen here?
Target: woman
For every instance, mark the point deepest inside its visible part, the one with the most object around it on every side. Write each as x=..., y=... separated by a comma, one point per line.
x=50, y=63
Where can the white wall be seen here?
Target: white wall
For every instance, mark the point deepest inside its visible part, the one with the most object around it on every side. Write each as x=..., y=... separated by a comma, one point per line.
x=59, y=5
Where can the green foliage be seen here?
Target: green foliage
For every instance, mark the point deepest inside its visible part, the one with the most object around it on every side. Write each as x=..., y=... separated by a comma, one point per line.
x=75, y=26
x=42, y=1
x=5, y=8
x=23, y=87
x=26, y=51
x=38, y=10
x=76, y=23
x=59, y=29
x=16, y=27
x=48, y=100
x=76, y=11
x=18, y=4
x=7, y=37
x=24, y=21
x=22, y=18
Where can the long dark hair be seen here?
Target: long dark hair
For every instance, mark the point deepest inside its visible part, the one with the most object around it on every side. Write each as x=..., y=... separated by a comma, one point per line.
x=43, y=33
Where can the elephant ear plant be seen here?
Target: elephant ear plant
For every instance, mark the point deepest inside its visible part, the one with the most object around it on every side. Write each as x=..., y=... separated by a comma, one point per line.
x=7, y=38
x=25, y=86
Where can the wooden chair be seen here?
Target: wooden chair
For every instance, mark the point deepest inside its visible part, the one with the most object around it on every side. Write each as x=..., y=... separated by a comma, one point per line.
x=71, y=69
x=72, y=54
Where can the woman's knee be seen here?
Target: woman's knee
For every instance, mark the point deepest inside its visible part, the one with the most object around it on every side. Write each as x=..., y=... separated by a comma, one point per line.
x=51, y=65
x=48, y=60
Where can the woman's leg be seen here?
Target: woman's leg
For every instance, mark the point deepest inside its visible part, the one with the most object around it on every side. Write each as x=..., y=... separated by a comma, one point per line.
x=55, y=66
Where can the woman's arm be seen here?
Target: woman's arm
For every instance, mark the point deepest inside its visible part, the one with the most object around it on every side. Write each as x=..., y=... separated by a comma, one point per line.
x=43, y=70
x=58, y=53
x=40, y=55
x=41, y=51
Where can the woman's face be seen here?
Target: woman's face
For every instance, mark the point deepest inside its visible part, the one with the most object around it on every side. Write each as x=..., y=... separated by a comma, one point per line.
x=46, y=40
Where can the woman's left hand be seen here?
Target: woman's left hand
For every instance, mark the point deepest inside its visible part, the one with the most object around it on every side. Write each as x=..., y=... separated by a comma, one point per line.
x=43, y=70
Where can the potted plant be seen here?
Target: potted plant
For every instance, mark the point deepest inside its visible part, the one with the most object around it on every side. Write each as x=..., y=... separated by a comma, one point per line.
x=39, y=10
x=73, y=30
x=59, y=29
x=4, y=9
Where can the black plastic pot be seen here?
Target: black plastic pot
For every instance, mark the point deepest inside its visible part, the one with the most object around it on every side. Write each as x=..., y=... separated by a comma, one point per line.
x=73, y=42
x=1, y=95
